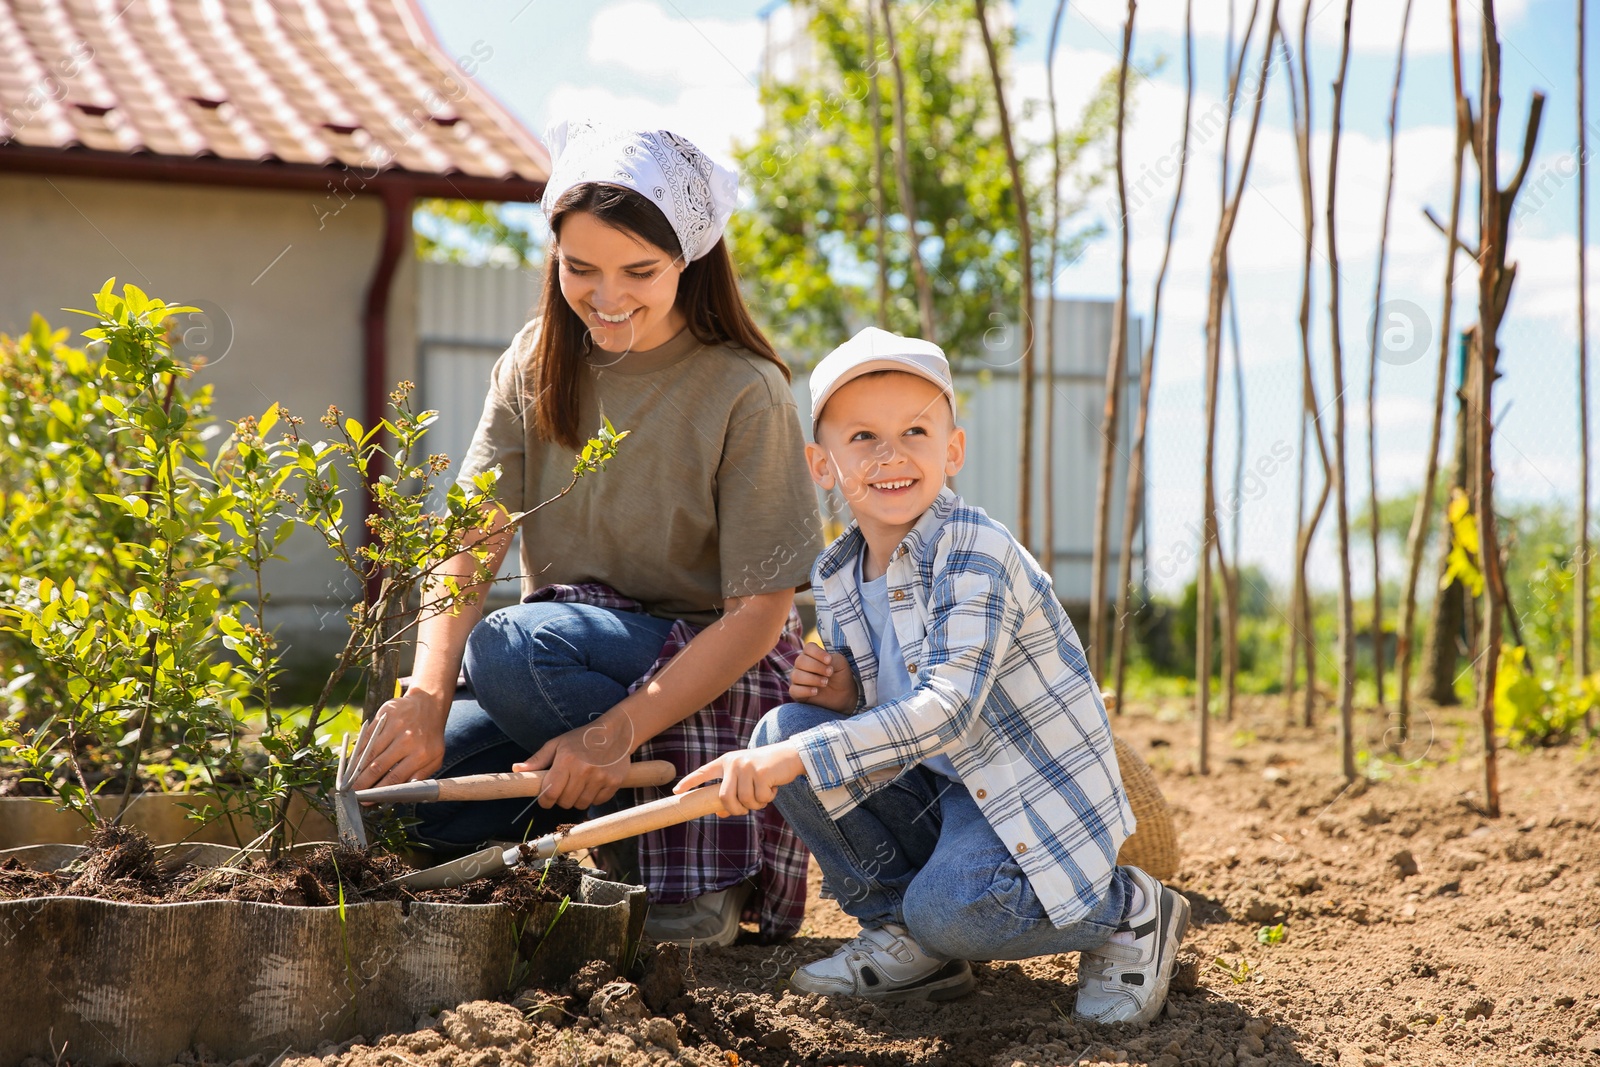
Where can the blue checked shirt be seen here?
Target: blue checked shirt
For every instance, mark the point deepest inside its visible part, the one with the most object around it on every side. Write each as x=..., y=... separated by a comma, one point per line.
x=1002, y=689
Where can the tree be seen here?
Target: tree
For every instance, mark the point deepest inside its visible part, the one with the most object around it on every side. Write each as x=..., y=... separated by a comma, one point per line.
x=1301, y=629
x=1215, y=299
x=808, y=234
x=902, y=162
x=1047, y=553
x=1116, y=361
x=1580, y=585
x=1372, y=359
x=1019, y=192
x=879, y=207
x=466, y=231
x=1341, y=497
x=1131, y=516
x=1421, y=518
x=1495, y=278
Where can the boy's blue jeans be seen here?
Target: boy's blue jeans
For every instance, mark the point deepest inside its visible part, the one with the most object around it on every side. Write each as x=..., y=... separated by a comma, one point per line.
x=534, y=671
x=918, y=852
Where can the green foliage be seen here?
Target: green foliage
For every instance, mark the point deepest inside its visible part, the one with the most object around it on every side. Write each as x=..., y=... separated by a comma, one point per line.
x=121, y=607
x=62, y=481
x=1529, y=710
x=406, y=551
x=127, y=616
x=473, y=231
x=1463, y=562
x=809, y=235
x=1238, y=970
x=1271, y=935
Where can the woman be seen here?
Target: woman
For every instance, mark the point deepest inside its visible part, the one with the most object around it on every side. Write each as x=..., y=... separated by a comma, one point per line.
x=705, y=520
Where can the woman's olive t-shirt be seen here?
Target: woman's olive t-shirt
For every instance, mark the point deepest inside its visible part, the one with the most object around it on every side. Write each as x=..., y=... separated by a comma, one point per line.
x=707, y=498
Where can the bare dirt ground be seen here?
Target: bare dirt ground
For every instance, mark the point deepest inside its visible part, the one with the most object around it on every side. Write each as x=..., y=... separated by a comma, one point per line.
x=1416, y=930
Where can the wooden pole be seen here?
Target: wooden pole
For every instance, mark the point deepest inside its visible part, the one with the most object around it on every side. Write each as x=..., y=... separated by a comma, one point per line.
x=1217, y=295
x=902, y=167
x=1047, y=554
x=1116, y=362
x=1372, y=362
x=1132, y=514
x=1341, y=501
x=1421, y=518
x=1025, y=240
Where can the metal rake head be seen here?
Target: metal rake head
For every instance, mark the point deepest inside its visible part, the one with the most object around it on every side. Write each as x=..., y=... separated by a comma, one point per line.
x=346, y=808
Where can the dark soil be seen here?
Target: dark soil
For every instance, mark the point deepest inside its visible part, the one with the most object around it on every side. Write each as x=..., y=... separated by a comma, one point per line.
x=1417, y=931
x=121, y=864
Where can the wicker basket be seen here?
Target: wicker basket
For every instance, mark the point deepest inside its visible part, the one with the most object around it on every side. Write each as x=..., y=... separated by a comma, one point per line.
x=1153, y=848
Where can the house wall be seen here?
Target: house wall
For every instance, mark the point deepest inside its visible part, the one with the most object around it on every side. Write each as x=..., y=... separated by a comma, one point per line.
x=282, y=278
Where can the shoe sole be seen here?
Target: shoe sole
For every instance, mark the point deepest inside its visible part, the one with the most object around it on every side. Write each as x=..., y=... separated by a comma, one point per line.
x=949, y=982
x=941, y=987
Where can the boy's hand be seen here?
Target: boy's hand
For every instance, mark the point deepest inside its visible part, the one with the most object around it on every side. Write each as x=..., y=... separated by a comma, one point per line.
x=823, y=678
x=750, y=776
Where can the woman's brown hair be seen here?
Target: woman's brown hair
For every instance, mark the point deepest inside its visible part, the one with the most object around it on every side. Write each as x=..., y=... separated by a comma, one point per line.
x=708, y=295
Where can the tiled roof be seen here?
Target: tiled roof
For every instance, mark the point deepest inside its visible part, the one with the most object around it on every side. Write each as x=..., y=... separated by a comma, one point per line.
x=309, y=83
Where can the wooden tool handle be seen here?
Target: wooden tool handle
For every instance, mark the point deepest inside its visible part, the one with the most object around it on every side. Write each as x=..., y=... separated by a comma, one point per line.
x=528, y=783
x=668, y=811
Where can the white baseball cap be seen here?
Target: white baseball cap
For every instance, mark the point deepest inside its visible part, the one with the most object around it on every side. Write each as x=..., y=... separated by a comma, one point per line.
x=873, y=350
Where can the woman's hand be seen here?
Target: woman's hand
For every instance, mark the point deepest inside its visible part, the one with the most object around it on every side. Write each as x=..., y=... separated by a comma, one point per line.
x=408, y=744
x=750, y=776
x=823, y=678
x=585, y=766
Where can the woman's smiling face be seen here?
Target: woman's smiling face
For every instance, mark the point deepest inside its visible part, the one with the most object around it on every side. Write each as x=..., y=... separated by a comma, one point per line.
x=623, y=288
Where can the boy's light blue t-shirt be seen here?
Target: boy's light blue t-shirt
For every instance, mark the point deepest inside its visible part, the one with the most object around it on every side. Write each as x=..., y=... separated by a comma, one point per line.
x=893, y=681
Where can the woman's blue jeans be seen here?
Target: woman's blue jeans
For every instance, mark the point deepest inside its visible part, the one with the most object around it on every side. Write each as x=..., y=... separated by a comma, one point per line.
x=533, y=672
x=919, y=852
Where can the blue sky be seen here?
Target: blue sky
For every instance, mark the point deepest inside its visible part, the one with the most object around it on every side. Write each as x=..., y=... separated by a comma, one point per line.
x=693, y=64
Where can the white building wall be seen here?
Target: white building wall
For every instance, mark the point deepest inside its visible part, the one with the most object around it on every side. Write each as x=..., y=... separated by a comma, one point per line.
x=283, y=281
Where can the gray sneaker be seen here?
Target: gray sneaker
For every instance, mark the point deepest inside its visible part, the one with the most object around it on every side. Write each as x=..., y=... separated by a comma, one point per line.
x=711, y=919
x=885, y=963
x=1127, y=983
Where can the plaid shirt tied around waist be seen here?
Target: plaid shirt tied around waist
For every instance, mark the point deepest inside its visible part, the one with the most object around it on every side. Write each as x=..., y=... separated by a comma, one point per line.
x=682, y=862
x=1002, y=689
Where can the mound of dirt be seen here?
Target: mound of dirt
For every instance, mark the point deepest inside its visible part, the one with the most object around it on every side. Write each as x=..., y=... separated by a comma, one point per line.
x=121, y=864
x=1383, y=922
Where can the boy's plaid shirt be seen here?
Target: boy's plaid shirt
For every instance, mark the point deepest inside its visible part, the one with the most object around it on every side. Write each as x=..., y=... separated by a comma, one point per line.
x=1002, y=689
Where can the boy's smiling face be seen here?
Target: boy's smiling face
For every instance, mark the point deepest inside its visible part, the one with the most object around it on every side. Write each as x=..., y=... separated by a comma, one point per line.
x=887, y=441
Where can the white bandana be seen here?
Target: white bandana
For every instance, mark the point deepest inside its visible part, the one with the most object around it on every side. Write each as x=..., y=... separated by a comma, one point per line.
x=695, y=193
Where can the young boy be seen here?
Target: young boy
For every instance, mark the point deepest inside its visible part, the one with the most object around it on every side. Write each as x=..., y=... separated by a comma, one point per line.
x=950, y=767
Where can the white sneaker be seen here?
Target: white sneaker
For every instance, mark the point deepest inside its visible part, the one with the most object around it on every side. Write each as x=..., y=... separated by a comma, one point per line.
x=710, y=919
x=884, y=963
x=1125, y=981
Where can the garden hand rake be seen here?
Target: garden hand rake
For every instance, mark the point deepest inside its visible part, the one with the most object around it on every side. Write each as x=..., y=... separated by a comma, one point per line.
x=668, y=811
x=348, y=800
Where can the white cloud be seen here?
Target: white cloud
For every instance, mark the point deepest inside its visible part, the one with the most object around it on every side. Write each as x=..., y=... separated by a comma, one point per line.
x=641, y=36
x=711, y=65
